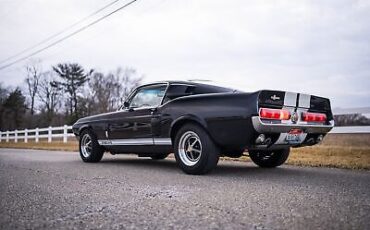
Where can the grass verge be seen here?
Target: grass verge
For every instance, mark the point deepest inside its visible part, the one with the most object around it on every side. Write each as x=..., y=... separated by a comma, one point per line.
x=349, y=151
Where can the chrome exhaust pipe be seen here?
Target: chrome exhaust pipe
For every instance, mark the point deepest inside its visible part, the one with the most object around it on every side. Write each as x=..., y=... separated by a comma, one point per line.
x=319, y=138
x=260, y=139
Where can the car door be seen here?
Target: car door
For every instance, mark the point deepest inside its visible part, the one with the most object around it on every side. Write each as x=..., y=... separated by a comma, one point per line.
x=133, y=125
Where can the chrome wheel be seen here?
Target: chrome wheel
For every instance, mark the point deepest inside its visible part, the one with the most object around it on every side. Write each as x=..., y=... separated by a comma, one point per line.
x=86, y=145
x=190, y=148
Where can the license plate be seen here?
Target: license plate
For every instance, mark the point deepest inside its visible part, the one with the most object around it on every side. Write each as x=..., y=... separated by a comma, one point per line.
x=292, y=138
x=294, y=135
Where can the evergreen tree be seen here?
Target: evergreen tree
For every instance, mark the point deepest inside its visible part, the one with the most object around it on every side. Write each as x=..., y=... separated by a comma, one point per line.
x=14, y=109
x=72, y=79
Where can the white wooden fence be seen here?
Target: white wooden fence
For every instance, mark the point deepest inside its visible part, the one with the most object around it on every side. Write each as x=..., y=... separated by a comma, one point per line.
x=49, y=133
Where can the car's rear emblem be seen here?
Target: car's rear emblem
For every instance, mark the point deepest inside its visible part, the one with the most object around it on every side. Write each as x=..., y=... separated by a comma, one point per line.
x=274, y=97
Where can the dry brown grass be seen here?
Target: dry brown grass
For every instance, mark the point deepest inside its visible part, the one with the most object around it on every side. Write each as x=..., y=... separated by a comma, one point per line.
x=351, y=151
x=331, y=156
x=348, y=140
x=43, y=145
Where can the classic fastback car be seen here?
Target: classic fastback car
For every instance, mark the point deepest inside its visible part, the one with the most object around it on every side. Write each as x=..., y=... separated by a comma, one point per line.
x=200, y=122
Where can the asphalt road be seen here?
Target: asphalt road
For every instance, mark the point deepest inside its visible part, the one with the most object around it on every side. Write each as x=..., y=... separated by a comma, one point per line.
x=47, y=190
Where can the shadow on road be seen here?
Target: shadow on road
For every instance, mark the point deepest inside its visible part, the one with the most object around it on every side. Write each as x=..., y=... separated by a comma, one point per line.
x=223, y=169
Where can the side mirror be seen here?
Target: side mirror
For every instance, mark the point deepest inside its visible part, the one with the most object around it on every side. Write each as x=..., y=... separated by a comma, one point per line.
x=126, y=104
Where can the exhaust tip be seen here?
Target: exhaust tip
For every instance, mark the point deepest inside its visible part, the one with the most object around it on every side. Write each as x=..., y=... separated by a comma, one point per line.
x=260, y=139
x=268, y=141
x=319, y=138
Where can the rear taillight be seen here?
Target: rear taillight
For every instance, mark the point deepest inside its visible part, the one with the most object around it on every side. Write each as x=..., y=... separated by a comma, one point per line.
x=276, y=114
x=314, y=117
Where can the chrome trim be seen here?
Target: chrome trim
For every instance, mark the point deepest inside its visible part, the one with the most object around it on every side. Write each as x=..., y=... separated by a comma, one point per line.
x=136, y=141
x=183, y=84
x=162, y=141
x=262, y=127
x=290, y=99
x=304, y=100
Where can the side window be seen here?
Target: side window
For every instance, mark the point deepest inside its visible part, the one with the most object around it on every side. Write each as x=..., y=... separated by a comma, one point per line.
x=175, y=91
x=150, y=96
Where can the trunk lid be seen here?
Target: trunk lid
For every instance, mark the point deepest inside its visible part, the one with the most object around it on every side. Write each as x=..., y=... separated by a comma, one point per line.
x=303, y=102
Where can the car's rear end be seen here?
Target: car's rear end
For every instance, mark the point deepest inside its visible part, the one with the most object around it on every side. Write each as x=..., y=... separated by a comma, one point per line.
x=290, y=119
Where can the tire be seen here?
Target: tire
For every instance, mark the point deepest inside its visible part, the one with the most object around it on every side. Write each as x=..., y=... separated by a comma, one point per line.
x=159, y=156
x=269, y=159
x=90, y=152
x=195, y=152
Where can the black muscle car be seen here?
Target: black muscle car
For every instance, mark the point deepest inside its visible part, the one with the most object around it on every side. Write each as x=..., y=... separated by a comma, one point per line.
x=200, y=122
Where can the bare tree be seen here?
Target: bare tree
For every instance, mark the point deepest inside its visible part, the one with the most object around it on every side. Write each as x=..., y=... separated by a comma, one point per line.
x=128, y=80
x=34, y=72
x=48, y=95
x=106, y=93
x=101, y=90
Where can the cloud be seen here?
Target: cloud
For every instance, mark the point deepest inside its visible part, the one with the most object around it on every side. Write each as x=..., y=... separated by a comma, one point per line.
x=316, y=47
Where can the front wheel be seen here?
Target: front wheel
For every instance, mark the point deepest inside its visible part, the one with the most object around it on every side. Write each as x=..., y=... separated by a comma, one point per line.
x=90, y=150
x=269, y=159
x=195, y=151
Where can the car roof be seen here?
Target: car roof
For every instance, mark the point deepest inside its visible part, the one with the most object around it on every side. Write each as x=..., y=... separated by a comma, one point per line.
x=202, y=83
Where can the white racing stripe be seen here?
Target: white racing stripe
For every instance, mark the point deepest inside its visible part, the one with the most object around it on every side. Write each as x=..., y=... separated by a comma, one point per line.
x=304, y=100
x=290, y=99
x=136, y=141
x=162, y=141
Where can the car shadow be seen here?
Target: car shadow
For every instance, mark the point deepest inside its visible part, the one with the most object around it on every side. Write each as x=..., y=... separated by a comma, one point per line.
x=141, y=162
x=223, y=169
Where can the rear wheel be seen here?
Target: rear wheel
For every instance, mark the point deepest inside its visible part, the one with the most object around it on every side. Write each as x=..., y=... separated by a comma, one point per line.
x=90, y=150
x=195, y=151
x=159, y=156
x=269, y=159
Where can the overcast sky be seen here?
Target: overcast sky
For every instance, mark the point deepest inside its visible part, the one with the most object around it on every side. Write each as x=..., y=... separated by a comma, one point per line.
x=318, y=47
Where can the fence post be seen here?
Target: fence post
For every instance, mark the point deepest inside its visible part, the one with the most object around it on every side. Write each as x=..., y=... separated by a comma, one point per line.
x=26, y=136
x=37, y=135
x=7, y=136
x=15, y=136
x=65, y=131
x=49, y=134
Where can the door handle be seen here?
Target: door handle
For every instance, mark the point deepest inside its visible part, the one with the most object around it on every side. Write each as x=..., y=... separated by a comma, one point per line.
x=153, y=110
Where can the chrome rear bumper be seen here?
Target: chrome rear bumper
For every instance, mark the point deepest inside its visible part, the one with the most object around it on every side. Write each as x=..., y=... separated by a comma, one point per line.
x=262, y=127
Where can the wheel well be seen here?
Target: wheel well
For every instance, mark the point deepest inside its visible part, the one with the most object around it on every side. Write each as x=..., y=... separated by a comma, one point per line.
x=83, y=129
x=176, y=127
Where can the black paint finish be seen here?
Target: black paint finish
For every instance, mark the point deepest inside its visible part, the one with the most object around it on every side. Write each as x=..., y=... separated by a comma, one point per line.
x=224, y=113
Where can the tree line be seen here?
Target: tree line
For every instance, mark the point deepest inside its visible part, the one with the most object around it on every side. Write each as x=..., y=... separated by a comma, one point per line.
x=68, y=91
x=63, y=94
